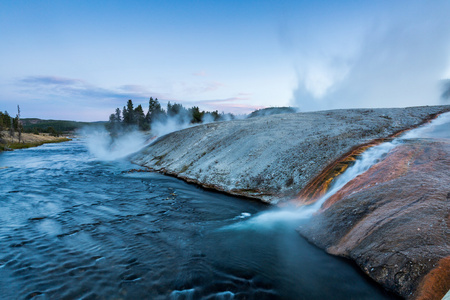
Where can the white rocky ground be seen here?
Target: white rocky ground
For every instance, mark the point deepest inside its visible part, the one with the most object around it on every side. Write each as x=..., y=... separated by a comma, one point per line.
x=272, y=158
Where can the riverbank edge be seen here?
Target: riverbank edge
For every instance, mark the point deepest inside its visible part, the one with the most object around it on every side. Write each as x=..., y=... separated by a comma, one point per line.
x=29, y=143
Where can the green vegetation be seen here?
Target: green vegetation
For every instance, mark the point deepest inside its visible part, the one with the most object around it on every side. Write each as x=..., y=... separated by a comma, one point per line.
x=52, y=127
x=14, y=146
x=160, y=158
x=11, y=124
x=135, y=117
x=184, y=169
x=12, y=129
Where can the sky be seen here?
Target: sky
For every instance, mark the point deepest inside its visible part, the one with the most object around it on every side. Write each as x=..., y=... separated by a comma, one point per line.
x=80, y=60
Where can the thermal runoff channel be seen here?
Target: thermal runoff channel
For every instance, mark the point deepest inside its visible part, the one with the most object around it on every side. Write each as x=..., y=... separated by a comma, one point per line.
x=356, y=163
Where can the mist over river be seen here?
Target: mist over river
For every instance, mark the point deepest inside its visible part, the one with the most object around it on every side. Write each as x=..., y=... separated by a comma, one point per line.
x=73, y=226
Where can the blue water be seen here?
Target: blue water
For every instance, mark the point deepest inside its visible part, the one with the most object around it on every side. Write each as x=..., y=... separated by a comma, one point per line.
x=75, y=227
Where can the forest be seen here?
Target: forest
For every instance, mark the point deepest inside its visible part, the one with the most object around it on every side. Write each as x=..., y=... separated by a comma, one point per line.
x=131, y=117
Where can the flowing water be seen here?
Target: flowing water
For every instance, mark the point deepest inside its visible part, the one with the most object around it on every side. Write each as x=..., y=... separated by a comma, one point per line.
x=438, y=129
x=75, y=227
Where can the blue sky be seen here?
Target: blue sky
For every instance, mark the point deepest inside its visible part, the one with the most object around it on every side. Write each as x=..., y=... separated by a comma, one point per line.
x=79, y=60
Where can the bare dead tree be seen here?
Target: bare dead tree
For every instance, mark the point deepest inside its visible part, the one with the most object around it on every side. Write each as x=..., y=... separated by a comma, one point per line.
x=11, y=129
x=19, y=127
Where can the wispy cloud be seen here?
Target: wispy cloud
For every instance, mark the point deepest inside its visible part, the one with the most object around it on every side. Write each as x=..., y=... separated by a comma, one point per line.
x=77, y=88
x=87, y=100
x=236, y=105
x=212, y=86
x=221, y=101
x=201, y=73
x=135, y=89
x=196, y=89
x=49, y=80
x=78, y=97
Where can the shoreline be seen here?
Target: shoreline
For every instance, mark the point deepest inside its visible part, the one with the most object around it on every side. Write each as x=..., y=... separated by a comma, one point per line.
x=28, y=140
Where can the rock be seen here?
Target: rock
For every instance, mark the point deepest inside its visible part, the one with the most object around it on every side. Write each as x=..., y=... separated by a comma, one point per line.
x=394, y=220
x=272, y=158
x=437, y=282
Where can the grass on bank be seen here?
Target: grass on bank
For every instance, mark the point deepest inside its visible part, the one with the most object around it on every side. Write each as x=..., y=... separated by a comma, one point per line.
x=15, y=146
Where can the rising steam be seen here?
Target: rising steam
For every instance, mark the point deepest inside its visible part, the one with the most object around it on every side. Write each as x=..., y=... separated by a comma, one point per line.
x=103, y=147
x=392, y=58
x=446, y=90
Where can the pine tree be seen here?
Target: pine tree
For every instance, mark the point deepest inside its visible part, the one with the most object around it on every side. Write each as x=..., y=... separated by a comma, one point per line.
x=124, y=114
x=117, y=115
x=155, y=112
x=196, y=115
x=139, y=117
x=129, y=119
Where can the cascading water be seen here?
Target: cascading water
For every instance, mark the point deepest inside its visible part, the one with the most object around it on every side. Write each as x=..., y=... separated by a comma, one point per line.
x=296, y=214
x=438, y=128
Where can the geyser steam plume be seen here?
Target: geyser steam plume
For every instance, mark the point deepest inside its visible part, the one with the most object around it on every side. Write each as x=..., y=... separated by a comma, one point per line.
x=103, y=146
x=100, y=143
x=391, y=58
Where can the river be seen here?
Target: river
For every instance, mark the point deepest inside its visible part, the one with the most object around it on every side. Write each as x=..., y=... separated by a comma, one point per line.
x=73, y=226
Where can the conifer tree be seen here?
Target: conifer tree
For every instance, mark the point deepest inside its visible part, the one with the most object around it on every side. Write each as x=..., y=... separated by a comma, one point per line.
x=139, y=117
x=129, y=119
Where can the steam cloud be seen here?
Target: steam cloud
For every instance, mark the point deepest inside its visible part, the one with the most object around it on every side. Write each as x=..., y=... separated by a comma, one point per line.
x=103, y=147
x=397, y=60
x=446, y=90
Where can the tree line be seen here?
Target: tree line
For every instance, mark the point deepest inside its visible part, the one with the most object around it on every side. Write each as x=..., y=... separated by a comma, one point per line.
x=14, y=125
x=8, y=122
x=11, y=124
x=135, y=117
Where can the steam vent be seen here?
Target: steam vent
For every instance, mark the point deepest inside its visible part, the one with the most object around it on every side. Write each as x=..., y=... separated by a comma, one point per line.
x=392, y=220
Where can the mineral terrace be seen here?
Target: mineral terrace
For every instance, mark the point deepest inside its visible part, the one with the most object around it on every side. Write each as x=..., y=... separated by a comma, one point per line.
x=397, y=232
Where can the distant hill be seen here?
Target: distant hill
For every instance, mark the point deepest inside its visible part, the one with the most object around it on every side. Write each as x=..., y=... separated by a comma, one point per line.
x=272, y=111
x=29, y=124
